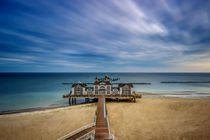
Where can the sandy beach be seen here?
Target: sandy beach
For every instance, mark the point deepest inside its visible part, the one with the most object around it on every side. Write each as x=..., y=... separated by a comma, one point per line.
x=47, y=125
x=161, y=118
x=149, y=118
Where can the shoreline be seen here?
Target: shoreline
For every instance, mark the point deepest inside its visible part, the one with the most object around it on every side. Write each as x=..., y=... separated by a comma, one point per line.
x=31, y=110
x=182, y=94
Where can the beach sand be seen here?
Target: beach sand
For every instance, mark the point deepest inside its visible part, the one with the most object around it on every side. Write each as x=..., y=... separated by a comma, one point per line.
x=149, y=118
x=161, y=119
x=48, y=124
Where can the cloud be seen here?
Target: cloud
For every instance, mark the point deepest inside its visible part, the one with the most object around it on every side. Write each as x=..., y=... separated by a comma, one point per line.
x=24, y=36
x=126, y=16
x=11, y=60
x=105, y=35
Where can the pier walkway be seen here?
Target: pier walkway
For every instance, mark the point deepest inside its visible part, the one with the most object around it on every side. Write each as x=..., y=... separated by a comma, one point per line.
x=102, y=130
x=99, y=130
x=95, y=131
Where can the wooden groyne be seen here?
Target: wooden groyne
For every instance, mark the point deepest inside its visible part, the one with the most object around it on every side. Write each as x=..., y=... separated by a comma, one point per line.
x=73, y=83
x=163, y=82
x=135, y=83
x=190, y=82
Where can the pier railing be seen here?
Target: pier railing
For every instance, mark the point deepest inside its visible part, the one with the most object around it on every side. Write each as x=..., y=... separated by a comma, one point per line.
x=90, y=135
x=106, y=96
x=77, y=131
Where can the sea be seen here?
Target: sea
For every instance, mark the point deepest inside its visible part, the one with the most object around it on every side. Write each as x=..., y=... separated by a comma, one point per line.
x=42, y=90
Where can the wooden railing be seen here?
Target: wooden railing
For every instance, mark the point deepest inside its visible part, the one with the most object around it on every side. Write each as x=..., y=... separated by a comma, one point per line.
x=76, y=131
x=106, y=96
x=90, y=135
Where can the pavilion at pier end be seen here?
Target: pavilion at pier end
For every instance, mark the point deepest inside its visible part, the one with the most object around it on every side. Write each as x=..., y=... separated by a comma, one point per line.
x=102, y=86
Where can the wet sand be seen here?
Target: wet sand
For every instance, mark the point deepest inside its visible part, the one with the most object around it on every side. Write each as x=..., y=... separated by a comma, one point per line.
x=161, y=119
x=46, y=124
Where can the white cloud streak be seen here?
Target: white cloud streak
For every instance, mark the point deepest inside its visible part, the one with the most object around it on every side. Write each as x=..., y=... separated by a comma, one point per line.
x=112, y=32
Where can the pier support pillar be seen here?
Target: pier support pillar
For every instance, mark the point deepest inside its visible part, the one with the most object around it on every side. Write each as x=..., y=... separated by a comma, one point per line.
x=75, y=101
x=72, y=101
x=87, y=100
x=118, y=100
x=69, y=101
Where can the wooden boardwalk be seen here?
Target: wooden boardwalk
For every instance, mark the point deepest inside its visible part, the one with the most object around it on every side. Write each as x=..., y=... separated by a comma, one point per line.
x=101, y=130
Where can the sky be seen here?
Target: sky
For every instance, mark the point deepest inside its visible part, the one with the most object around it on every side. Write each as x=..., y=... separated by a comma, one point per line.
x=105, y=36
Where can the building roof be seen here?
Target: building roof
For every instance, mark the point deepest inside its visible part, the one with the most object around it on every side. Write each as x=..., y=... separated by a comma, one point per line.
x=81, y=84
x=102, y=81
x=96, y=83
x=123, y=84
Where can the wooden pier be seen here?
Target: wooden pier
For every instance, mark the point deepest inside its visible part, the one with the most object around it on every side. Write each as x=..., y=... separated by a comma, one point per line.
x=101, y=91
x=102, y=130
x=118, y=97
x=99, y=131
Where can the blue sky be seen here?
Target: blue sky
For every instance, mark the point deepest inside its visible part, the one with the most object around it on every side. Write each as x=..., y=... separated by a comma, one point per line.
x=104, y=36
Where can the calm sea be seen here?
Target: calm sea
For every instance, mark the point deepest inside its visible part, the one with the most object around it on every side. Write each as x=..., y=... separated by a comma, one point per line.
x=33, y=90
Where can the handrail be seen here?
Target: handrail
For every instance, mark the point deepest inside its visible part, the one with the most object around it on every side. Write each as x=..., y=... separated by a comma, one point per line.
x=107, y=120
x=76, y=131
x=104, y=108
x=106, y=96
x=90, y=135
